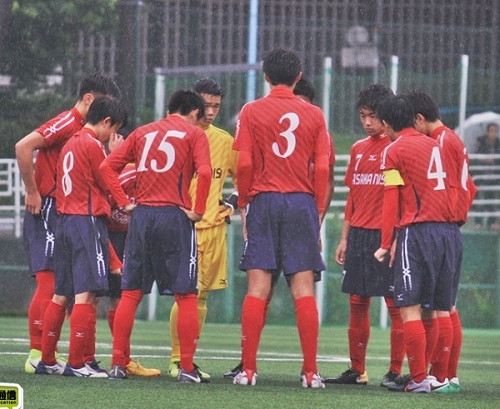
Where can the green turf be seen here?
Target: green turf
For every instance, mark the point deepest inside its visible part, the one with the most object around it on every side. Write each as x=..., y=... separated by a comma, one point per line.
x=279, y=367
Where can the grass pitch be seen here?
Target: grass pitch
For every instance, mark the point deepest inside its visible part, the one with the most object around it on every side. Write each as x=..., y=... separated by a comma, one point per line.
x=278, y=384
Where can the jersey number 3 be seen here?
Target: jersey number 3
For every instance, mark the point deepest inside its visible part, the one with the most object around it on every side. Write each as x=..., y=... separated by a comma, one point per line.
x=288, y=135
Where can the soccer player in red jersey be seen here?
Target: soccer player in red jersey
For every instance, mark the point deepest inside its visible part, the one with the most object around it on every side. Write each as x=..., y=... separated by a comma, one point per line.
x=364, y=277
x=304, y=89
x=278, y=138
x=211, y=230
x=416, y=198
x=448, y=342
x=82, y=256
x=161, y=241
x=40, y=216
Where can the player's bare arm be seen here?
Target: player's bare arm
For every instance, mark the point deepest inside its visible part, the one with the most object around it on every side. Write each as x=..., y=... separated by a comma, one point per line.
x=341, y=248
x=24, y=154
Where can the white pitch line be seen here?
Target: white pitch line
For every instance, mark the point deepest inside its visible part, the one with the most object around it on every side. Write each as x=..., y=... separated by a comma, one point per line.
x=200, y=353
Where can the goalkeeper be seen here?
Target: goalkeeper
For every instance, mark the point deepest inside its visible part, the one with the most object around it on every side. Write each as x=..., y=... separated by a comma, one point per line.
x=211, y=230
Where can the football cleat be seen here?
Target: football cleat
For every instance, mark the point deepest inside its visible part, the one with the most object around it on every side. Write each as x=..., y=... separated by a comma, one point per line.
x=233, y=372
x=96, y=371
x=32, y=362
x=437, y=386
x=175, y=366
x=311, y=380
x=42, y=369
x=349, y=377
x=414, y=387
x=389, y=379
x=78, y=372
x=245, y=378
x=135, y=368
x=94, y=365
x=454, y=385
x=118, y=372
x=192, y=377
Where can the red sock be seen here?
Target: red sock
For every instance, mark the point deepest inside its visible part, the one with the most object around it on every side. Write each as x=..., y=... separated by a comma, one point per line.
x=252, y=322
x=308, y=326
x=431, y=335
x=111, y=320
x=359, y=331
x=441, y=356
x=414, y=334
x=39, y=303
x=397, y=337
x=187, y=328
x=80, y=326
x=52, y=325
x=266, y=308
x=122, y=331
x=89, y=353
x=456, y=346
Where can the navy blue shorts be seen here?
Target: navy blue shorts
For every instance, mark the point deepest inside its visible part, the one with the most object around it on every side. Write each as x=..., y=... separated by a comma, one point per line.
x=364, y=275
x=425, y=269
x=117, y=239
x=161, y=246
x=82, y=255
x=39, y=234
x=283, y=234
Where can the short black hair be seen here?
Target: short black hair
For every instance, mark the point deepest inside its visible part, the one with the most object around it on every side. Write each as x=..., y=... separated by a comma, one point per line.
x=208, y=86
x=490, y=125
x=424, y=105
x=305, y=87
x=371, y=96
x=183, y=101
x=397, y=111
x=282, y=66
x=99, y=84
x=107, y=106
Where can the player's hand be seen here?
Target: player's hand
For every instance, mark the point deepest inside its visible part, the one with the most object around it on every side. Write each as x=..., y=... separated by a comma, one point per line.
x=380, y=254
x=114, y=141
x=195, y=217
x=340, y=252
x=129, y=208
x=117, y=272
x=226, y=207
x=33, y=202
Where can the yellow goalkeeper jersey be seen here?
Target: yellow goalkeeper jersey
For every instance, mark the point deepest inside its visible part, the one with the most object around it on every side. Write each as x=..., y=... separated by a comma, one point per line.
x=224, y=162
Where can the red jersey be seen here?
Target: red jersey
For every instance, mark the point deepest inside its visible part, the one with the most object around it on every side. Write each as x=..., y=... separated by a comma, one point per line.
x=80, y=187
x=119, y=219
x=283, y=134
x=462, y=188
x=56, y=133
x=423, y=196
x=366, y=182
x=166, y=154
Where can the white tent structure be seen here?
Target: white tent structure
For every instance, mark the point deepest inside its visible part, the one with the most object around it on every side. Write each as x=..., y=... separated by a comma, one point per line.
x=475, y=126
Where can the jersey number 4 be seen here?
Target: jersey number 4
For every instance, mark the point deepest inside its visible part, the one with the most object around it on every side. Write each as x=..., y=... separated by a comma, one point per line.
x=438, y=173
x=165, y=147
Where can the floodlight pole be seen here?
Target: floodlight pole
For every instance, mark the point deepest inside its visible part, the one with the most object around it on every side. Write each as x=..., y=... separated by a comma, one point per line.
x=327, y=86
x=394, y=73
x=464, y=64
x=253, y=29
